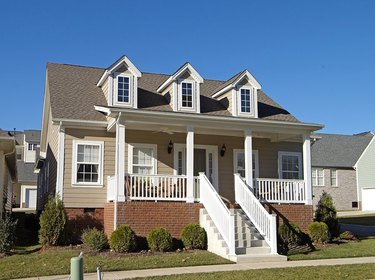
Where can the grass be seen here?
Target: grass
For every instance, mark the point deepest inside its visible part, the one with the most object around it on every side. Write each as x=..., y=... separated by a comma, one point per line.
x=28, y=263
x=365, y=220
x=357, y=271
x=365, y=248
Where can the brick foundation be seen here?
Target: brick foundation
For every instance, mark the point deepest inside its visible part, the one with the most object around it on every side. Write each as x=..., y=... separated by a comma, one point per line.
x=143, y=216
x=300, y=214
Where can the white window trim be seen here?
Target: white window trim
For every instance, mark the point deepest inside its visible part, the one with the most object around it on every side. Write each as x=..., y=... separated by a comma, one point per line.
x=115, y=90
x=154, y=147
x=285, y=153
x=194, y=95
x=252, y=102
x=235, y=161
x=316, y=182
x=330, y=177
x=99, y=184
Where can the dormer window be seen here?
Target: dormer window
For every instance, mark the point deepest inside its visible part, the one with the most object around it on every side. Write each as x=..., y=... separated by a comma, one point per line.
x=123, y=89
x=246, y=100
x=187, y=95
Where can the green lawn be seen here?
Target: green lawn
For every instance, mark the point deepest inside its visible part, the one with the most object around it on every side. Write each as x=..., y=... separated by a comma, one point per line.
x=365, y=248
x=26, y=263
x=357, y=271
x=365, y=220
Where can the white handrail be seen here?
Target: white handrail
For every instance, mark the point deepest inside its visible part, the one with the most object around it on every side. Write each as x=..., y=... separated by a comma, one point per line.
x=262, y=220
x=280, y=190
x=218, y=211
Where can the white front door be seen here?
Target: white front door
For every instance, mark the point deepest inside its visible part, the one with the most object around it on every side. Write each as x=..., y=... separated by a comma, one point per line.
x=205, y=160
x=31, y=198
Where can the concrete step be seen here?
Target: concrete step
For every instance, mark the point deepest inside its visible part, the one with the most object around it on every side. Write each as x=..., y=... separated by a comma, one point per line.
x=261, y=258
x=253, y=250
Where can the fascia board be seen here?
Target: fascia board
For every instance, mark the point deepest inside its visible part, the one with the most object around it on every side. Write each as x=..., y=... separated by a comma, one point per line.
x=79, y=123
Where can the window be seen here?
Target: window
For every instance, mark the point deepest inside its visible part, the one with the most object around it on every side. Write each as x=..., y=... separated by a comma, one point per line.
x=245, y=100
x=290, y=165
x=317, y=176
x=187, y=95
x=142, y=159
x=334, y=177
x=123, y=89
x=32, y=146
x=87, y=158
x=239, y=163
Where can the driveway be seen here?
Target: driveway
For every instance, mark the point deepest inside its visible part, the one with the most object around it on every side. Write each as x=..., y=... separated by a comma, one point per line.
x=358, y=229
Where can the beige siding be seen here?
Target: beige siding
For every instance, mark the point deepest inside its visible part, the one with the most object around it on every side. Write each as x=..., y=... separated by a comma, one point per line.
x=227, y=101
x=366, y=167
x=75, y=196
x=105, y=89
x=168, y=93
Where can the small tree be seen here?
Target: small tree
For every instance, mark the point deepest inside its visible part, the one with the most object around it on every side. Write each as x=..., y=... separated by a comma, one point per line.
x=326, y=213
x=52, y=222
x=7, y=232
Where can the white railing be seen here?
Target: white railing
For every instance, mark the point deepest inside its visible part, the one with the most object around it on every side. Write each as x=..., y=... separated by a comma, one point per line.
x=280, y=190
x=218, y=211
x=262, y=220
x=158, y=187
x=111, y=188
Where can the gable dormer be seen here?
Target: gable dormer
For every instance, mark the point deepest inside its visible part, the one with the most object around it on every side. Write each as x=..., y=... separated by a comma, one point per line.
x=240, y=94
x=119, y=83
x=182, y=89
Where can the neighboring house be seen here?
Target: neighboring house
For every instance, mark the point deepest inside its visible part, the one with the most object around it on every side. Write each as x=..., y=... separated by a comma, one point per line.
x=343, y=166
x=8, y=171
x=25, y=191
x=123, y=146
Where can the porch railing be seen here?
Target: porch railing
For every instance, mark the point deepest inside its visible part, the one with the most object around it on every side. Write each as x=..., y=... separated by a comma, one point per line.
x=159, y=187
x=280, y=190
x=218, y=211
x=262, y=220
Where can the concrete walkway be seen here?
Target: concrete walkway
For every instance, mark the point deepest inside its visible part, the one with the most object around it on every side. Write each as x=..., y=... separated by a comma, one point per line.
x=212, y=268
x=353, y=213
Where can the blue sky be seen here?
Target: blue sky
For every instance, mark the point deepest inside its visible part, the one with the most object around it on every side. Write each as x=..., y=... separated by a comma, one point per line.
x=315, y=58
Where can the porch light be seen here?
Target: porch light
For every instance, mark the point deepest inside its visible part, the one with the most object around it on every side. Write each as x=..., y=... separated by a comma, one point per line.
x=223, y=150
x=170, y=147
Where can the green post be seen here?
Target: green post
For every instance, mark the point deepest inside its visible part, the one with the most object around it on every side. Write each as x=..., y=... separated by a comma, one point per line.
x=76, y=268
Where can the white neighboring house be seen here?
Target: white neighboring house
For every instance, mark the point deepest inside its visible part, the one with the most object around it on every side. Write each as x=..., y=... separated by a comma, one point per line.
x=25, y=191
x=343, y=166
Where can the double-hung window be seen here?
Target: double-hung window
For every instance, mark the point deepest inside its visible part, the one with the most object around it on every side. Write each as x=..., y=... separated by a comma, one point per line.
x=187, y=95
x=142, y=159
x=317, y=177
x=123, y=89
x=239, y=163
x=290, y=166
x=88, y=163
x=333, y=177
x=32, y=146
x=245, y=100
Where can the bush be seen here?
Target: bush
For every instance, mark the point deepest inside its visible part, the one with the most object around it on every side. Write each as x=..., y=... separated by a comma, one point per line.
x=194, y=237
x=326, y=213
x=348, y=235
x=94, y=239
x=7, y=233
x=291, y=234
x=160, y=240
x=318, y=232
x=52, y=222
x=123, y=239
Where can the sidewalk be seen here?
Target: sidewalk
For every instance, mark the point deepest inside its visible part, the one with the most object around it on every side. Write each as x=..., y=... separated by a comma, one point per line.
x=211, y=268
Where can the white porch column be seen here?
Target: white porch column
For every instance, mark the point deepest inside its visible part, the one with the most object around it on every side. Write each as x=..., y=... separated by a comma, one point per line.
x=190, y=164
x=120, y=161
x=249, y=157
x=307, y=168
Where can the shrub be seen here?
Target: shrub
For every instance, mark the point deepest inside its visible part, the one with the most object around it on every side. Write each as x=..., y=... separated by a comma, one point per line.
x=194, y=237
x=348, y=235
x=290, y=234
x=318, y=232
x=7, y=233
x=123, y=239
x=326, y=213
x=160, y=240
x=52, y=222
x=94, y=239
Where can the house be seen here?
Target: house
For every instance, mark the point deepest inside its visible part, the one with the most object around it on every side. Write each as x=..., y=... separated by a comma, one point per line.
x=343, y=166
x=25, y=191
x=8, y=171
x=123, y=146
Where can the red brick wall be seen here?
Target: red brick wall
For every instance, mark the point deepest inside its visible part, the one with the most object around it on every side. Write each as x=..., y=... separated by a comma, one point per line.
x=143, y=216
x=108, y=218
x=300, y=214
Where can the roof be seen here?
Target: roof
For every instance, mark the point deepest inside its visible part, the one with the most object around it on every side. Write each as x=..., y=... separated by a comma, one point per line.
x=73, y=95
x=26, y=172
x=32, y=136
x=334, y=150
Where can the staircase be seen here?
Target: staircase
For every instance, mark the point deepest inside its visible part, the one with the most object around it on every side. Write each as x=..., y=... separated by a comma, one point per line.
x=250, y=245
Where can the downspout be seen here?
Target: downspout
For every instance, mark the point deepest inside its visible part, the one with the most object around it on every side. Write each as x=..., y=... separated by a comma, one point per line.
x=117, y=176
